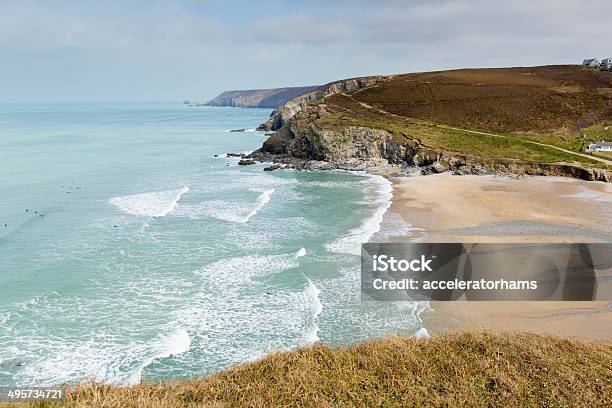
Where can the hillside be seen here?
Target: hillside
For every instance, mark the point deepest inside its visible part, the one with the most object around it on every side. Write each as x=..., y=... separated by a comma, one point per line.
x=511, y=120
x=458, y=370
x=259, y=98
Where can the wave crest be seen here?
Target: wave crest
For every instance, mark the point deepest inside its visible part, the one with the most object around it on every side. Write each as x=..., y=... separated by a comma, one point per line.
x=351, y=242
x=153, y=204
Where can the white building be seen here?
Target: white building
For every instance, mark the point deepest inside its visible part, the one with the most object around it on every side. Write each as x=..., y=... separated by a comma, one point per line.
x=601, y=146
x=591, y=63
x=606, y=63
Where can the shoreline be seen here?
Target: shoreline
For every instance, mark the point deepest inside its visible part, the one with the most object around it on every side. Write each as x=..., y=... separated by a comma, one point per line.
x=449, y=208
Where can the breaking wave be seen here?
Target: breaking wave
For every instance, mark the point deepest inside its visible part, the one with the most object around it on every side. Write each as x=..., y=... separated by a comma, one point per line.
x=153, y=204
x=351, y=242
x=312, y=293
x=173, y=344
x=224, y=211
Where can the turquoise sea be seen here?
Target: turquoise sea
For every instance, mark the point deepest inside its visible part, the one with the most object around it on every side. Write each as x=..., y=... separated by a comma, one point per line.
x=128, y=251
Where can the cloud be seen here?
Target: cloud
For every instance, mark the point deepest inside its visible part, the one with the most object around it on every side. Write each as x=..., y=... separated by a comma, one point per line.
x=164, y=49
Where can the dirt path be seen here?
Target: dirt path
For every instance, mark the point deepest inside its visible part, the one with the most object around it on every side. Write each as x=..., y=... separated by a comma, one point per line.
x=608, y=162
x=599, y=159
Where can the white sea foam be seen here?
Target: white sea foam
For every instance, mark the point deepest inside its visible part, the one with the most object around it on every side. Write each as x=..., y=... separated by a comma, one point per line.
x=351, y=243
x=393, y=225
x=312, y=335
x=347, y=319
x=172, y=344
x=243, y=268
x=241, y=130
x=262, y=200
x=301, y=252
x=422, y=333
x=251, y=315
x=225, y=211
x=153, y=204
x=312, y=293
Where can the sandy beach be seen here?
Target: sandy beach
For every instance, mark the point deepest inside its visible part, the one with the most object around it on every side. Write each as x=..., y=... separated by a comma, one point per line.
x=447, y=208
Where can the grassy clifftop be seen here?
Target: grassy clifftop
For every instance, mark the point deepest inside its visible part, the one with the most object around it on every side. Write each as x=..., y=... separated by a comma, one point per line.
x=542, y=115
x=473, y=369
x=558, y=105
x=502, y=100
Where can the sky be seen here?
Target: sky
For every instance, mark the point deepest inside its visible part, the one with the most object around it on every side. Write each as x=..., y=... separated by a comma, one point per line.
x=170, y=50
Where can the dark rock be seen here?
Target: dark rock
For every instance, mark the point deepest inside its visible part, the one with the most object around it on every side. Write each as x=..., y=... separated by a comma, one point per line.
x=273, y=167
x=235, y=154
x=238, y=130
x=246, y=162
x=439, y=167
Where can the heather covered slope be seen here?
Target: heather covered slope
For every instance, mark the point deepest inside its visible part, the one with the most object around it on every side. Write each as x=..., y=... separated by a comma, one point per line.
x=472, y=369
x=259, y=98
x=529, y=120
x=502, y=100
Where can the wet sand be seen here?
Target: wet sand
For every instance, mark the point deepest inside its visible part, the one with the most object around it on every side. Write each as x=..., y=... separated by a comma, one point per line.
x=482, y=209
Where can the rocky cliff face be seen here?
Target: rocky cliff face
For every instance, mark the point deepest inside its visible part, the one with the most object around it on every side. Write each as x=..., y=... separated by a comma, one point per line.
x=303, y=144
x=289, y=109
x=302, y=138
x=426, y=121
x=259, y=98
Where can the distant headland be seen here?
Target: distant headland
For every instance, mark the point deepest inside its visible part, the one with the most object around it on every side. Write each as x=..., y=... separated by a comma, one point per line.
x=259, y=98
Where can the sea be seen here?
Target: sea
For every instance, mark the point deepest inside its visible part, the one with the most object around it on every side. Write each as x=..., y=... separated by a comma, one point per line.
x=132, y=248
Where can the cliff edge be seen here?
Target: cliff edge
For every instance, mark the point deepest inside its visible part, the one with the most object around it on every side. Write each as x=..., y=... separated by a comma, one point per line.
x=533, y=120
x=472, y=369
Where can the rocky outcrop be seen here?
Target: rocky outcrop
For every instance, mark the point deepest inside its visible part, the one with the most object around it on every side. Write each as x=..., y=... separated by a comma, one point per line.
x=259, y=98
x=349, y=130
x=302, y=144
x=289, y=109
x=273, y=167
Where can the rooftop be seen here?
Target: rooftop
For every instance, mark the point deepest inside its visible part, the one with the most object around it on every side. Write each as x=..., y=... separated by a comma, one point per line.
x=602, y=143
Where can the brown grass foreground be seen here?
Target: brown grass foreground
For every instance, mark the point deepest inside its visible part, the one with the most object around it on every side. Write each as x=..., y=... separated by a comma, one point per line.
x=471, y=369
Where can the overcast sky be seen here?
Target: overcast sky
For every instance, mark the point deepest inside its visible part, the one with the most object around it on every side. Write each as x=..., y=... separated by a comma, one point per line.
x=170, y=50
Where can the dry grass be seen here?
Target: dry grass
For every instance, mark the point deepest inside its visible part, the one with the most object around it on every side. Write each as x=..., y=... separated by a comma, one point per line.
x=472, y=369
x=537, y=99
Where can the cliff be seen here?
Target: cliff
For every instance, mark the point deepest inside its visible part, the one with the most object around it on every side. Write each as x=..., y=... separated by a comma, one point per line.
x=259, y=98
x=455, y=370
x=286, y=112
x=512, y=120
